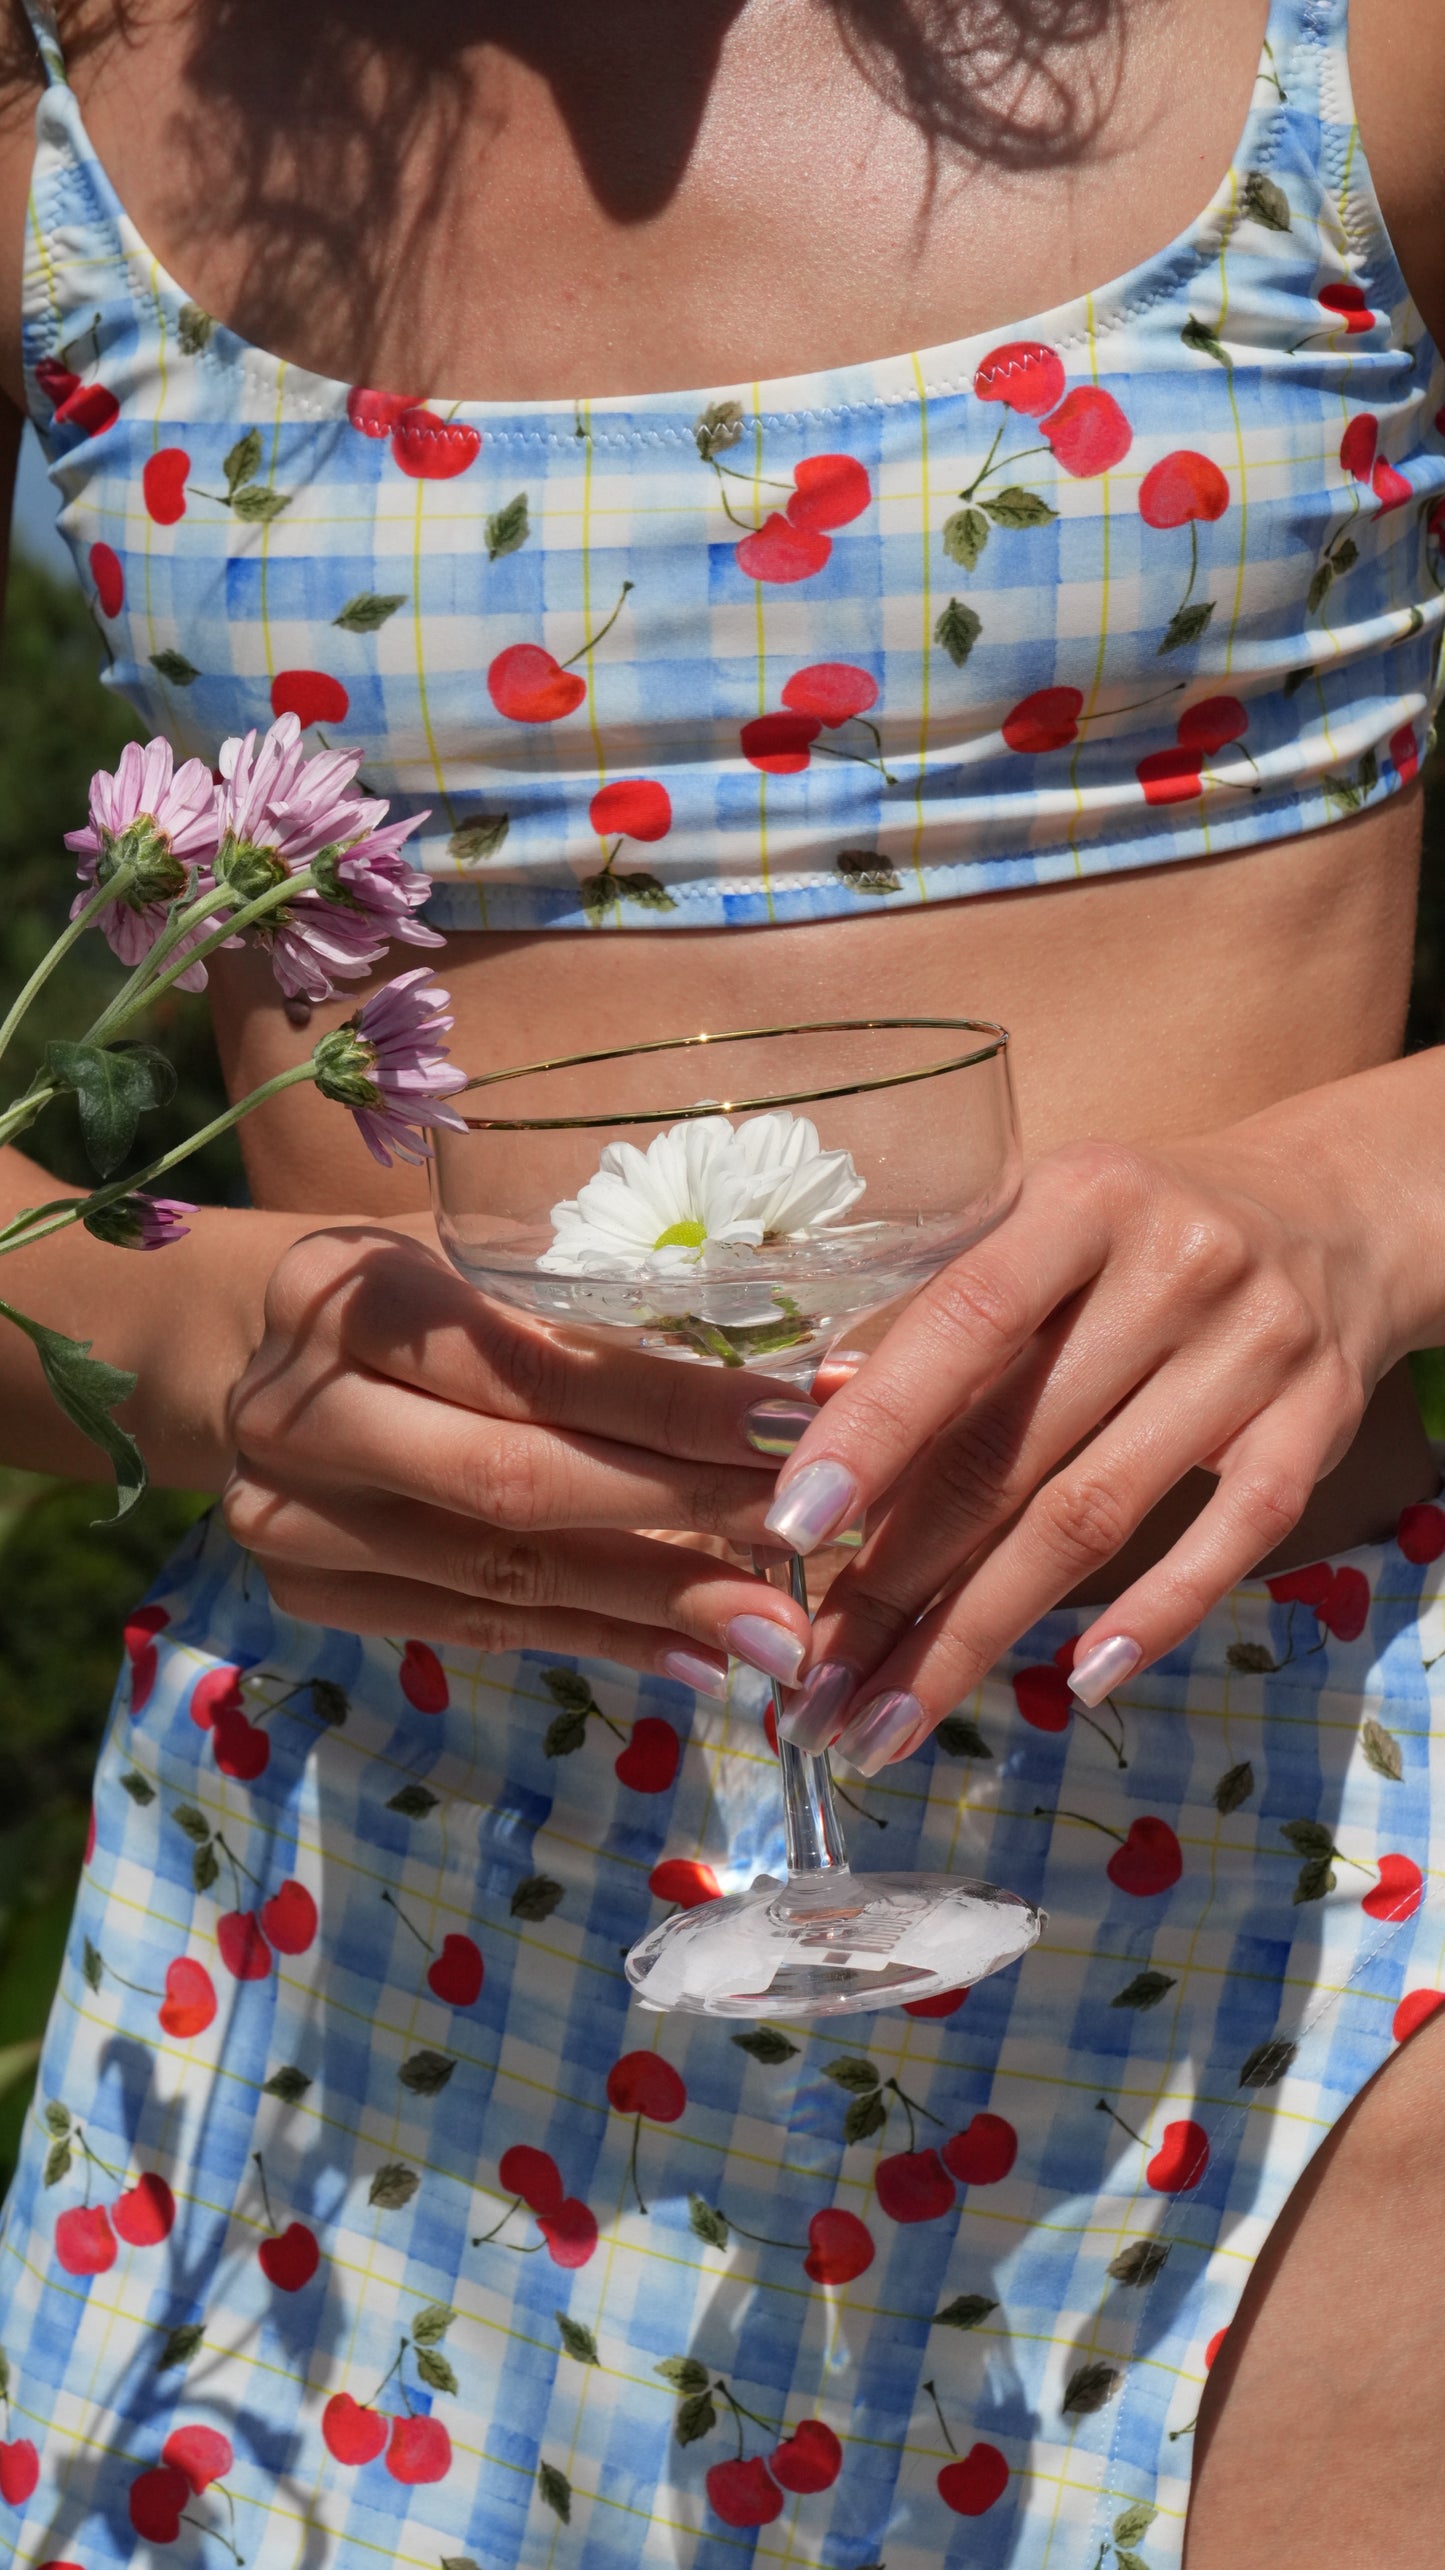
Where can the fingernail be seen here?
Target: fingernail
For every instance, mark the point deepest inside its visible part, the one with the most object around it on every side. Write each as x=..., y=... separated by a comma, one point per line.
x=1106, y=1666
x=691, y=1670
x=775, y=1427
x=766, y=1646
x=812, y=1717
x=815, y=1501
x=880, y=1732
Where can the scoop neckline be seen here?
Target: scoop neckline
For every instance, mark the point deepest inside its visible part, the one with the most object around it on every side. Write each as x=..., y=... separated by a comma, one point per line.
x=860, y=384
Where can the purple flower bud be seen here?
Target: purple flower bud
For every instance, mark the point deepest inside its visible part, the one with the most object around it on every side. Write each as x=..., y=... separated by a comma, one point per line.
x=139, y=1222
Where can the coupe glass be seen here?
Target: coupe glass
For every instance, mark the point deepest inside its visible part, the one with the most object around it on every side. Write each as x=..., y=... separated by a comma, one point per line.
x=748, y=1200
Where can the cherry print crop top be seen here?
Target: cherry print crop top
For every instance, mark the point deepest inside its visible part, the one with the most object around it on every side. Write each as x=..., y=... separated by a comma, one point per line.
x=1154, y=575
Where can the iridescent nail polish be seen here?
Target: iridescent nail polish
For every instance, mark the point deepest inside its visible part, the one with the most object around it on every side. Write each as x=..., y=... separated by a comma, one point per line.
x=691, y=1670
x=881, y=1732
x=812, y=1716
x=816, y=1500
x=775, y=1427
x=766, y=1646
x=1106, y=1666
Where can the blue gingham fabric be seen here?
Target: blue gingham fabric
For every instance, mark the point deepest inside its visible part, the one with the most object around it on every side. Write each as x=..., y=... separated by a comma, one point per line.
x=1155, y=574
x=363, y=2217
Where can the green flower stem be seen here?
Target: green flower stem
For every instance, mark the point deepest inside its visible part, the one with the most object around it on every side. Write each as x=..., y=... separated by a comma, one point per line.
x=27, y=1227
x=73, y=929
x=137, y=989
x=125, y=1006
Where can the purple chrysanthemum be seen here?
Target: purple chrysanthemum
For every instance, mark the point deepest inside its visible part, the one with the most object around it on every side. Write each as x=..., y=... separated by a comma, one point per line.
x=160, y=821
x=387, y=1066
x=140, y=1221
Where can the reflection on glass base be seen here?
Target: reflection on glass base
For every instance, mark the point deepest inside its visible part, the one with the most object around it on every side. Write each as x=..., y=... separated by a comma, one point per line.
x=830, y=1945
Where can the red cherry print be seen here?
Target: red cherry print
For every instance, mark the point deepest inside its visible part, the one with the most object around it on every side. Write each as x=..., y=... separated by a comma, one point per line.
x=1047, y=720
x=532, y=2174
x=190, y=2001
x=201, y=2453
x=423, y=1679
x=109, y=576
x=983, y=2152
x=1309, y=1586
x=1358, y=445
x=1210, y=725
x=146, y=2213
x=142, y=1627
x=650, y=1760
x=156, y=2500
x=1435, y=522
x=376, y=414
x=163, y=484
x=1405, y=751
x=84, y=2240
x=289, y=1918
x=241, y=1746
x=914, y=2186
x=1024, y=375
x=975, y=2483
x=420, y=2450
x=1170, y=776
x=310, y=695
x=1398, y=1893
x=1413, y=2011
x=810, y=2459
x=683, y=1880
x=1180, y=2161
x=782, y=551
x=831, y=689
x=1043, y=1698
x=90, y=407
x=828, y=491
x=633, y=807
x=744, y=2492
x=89, y=1837
x=642, y=2083
x=1182, y=486
x=351, y=2433
x=1349, y=303
x=527, y=685
x=143, y=1671
x=1420, y=1533
x=432, y=449
x=216, y=1691
x=243, y=1948
x=1391, y=489
x=1088, y=432
x=944, y=2003
x=779, y=744
x=291, y=2259
x=1149, y=1860
x=840, y=2247
x=56, y=382
x=1212, y=2350
x=19, y=2471
x=570, y=2233
x=456, y=1975
x=1347, y=1606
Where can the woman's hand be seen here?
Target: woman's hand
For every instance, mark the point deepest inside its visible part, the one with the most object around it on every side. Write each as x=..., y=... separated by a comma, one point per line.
x=1228, y=1303
x=413, y=1460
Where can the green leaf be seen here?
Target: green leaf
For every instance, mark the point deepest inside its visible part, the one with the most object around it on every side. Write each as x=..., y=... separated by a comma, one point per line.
x=1382, y=1750
x=1125, y=2558
x=459, y=2561
x=765, y=2043
x=287, y=2083
x=564, y=1734
x=509, y=529
x=696, y=2417
x=181, y=2344
x=258, y=506
x=57, y=2117
x=957, y=630
x=57, y=2163
x=536, y=1898
x=706, y=2222
x=137, y=1786
x=1308, y=1837
x=4, y=2375
x=964, y=536
x=90, y=1964
x=719, y=427
x=1144, y=1991
x=1134, y=2522
x=1341, y=791
x=964, y=2312
x=1187, y=624
x=684, y=2373
x=479, y=838
x=393, y=2186
x=1318, y=590
x=205, y=1867
x=1268, y=2063
x=864, y=870
x=1251, y=1659
x=243, y=461
x=1016, y=507
x=1234, y=1788
x=431, y=2324
x=1296, y=679
x=193, y=329
x=369, y=610
x=174, y=666
x=645, y=890
x=88, y=1391
x=1316, y=1877
x=961, y=1738
x=572, y=1692
x=865, y=2115
x=413, y=1802
x=556, y=2489
x=435, y=2371
x=597, y=894
x=426, y=2073
x=1199, y=336
x=1267, y=203
x=114, y=1088
x=1090, y=2387
x=578, y=2340
x=1140, y=2262
x=329, y=1702
x=195, y=1824
x=1368, y=772
x=853, y=2071
x=1346, y=555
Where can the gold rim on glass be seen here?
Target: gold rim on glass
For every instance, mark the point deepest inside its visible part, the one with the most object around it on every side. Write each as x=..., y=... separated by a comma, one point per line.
x=997, y=1044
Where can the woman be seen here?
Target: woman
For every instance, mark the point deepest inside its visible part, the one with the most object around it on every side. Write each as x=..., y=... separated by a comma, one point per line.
x=447, y=2253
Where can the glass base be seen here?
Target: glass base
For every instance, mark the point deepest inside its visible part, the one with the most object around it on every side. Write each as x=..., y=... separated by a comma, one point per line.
x=830, y=1944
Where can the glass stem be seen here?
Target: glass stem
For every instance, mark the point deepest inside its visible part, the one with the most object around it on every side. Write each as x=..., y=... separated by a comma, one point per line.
x=816, y=1844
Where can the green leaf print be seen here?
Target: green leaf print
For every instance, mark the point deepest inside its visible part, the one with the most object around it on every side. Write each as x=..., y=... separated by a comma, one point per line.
x=139, y=1790
x=1318, y=589
x=174, y=666
x=957, y=630
x=243, y=462
x=964, y=2312
x=1251, y=1659
x=1316, y=1877
x=1308, y=1837
x=181, y=2344
x=1144, y=1991
x=696, y=2417
x=393, y=2186
x=1016, y=507
x=329, y=1702
x=1382, y=1750
x=435, y=2371
x=1264, y=202
x=287, y=2083
x=706, y=2222
x=566, y=1688
x=1234, y=1788
x=684, y=2373
x=1091, y=2387
x=1268, y=2063
x=477, y=839
x=1128, y=2559
x=1199, y=336
x=57, y=2117
x=578, y=2340
x=719, y=427
x=1140, y=2262
x=536, y=1898
x=193, y=329
x=90, y=1964
x=425, y=2072
x=413, y=1802
x=864, y=870
x=961, y=1738
x=964, y=536
x=508, y=530
x=369, y=610
x=1134, y=2522
x=194, y=1823
x=57, y=2163
x=431, y=2324
x=766, y=2044
x=564, y=1735
x=865, y=2116
x=1187, y=624
x=205, y=1868
x=556, y=2489
x=258, y=506
x=854, y=2072
x=1368, y=771
x=598, y=892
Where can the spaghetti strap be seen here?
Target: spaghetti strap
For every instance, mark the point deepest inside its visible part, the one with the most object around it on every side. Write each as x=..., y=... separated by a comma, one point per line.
x=47, y=38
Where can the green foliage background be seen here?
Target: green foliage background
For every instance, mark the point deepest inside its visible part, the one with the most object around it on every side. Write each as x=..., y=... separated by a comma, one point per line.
x=66, y=1583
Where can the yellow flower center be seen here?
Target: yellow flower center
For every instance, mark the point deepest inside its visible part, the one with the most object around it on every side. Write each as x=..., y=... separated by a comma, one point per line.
x=682, y=1236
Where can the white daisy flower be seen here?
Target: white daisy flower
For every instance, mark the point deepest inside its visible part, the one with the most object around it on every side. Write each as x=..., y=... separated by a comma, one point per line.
x=701, y=1195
